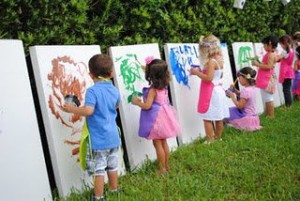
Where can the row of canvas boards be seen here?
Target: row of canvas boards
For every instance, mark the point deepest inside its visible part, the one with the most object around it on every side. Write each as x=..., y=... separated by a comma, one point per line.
x=57, y=69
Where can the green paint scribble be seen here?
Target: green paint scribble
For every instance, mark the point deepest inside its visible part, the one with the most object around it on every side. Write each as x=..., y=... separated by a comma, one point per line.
x=130, y=71
x=244, y=56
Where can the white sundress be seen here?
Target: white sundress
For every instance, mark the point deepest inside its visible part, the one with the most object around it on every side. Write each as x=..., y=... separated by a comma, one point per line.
x=217, y=110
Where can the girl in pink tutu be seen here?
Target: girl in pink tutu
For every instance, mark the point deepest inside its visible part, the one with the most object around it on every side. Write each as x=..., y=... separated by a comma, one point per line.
x=296, y=82
x=158, y=120
x=249, y=121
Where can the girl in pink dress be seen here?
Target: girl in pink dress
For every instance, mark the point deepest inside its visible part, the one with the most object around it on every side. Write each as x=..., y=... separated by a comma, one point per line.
x=296, y=83
x=286, y=72
x=158, y=120
x=246, y=102
x=266, y=72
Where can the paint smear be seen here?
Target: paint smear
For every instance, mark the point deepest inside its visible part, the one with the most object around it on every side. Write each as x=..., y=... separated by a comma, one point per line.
x=67, y=77
x=131, y=72
x=244, y=56
x=181, y=59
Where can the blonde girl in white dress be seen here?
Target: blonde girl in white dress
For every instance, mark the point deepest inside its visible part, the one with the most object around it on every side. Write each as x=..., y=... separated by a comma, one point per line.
x=212, y=97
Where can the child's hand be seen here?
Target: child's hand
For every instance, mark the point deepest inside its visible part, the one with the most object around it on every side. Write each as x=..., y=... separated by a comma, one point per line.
x=229, y=93
x=194, y=71
x=68, y=107
x=254, y=63
x=135, y=100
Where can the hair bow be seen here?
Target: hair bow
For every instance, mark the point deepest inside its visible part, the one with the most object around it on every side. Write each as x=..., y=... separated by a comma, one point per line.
x=149, y=59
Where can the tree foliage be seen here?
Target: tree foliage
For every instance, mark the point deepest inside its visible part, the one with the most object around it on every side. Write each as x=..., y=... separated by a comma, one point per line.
x=123, y=22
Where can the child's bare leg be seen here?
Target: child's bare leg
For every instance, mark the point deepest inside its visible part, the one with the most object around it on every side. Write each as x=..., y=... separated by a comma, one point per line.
x=209, y=130
x=160, y=154
x=219, y=129
x=98, y=186
x=167, y=153
x=270, y=109
x=113, y=180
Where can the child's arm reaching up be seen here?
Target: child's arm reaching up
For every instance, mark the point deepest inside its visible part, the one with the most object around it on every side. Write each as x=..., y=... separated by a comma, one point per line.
x=145, y=105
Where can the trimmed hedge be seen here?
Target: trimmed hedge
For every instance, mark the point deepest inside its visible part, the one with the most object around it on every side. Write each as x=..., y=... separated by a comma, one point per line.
x=123, y=22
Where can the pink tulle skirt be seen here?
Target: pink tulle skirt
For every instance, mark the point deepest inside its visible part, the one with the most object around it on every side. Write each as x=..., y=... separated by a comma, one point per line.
x=247, y=123
x=166, y=124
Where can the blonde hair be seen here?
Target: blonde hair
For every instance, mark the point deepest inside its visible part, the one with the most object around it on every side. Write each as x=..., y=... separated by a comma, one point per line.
x=209, y=46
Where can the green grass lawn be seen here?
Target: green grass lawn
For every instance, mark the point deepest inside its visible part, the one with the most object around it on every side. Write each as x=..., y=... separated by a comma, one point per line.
x=263, y=165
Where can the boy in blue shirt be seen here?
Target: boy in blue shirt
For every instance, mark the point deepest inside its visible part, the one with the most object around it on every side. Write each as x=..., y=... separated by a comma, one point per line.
x=101, y=102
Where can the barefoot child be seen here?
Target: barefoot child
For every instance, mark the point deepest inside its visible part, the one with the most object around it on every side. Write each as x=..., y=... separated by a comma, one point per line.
x=158, y=120
x=265, y=75
x=212, y=95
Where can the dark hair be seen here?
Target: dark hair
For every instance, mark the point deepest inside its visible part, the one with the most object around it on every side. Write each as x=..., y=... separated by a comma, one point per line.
x=157, y=74
x=248, y=70
x=298, y=52
x=100, y=65
x=286, y=41
x=270, y=40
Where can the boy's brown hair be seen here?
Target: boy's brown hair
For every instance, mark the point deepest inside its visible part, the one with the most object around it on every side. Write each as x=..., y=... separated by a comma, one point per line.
x=100, y=65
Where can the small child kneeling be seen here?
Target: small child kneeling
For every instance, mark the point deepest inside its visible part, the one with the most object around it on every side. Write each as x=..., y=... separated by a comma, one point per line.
x=244, y=116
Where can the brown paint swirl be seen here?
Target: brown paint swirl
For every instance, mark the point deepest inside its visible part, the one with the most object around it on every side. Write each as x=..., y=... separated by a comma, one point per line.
x=67, y=77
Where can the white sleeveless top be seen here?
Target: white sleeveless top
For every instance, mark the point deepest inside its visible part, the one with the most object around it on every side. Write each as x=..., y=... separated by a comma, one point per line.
x=217, y=109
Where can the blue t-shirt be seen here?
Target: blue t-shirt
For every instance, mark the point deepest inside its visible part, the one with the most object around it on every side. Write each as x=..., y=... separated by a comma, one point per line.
x=104, y=97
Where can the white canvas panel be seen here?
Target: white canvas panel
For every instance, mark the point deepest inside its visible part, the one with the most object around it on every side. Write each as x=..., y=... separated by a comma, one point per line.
x=23, y=174
x=185, y=88
x=278, y=95
x=242, y=52
x=130, y=77
x=59, y=71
